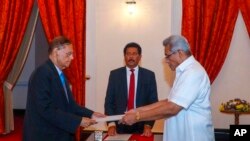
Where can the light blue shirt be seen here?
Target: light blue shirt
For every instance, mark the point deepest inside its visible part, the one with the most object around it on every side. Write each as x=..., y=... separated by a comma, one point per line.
x=64, y=87
x=191, y=90
x=58, y=70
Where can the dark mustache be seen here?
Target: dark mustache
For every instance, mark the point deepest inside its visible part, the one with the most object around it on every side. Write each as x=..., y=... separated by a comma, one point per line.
x=131, y=60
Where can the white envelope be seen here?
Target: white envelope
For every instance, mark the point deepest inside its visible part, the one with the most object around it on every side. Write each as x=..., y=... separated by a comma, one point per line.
x=109, y=118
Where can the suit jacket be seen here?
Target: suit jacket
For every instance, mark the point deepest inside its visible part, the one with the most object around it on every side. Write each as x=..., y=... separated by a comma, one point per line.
x=49, y=116
x=117, y=96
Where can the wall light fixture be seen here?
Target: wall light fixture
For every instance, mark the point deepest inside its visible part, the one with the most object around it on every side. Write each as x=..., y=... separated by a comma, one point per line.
x=131, y=5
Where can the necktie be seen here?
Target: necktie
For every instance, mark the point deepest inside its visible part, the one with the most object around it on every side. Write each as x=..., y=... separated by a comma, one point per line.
x=131, y=90
x=62, y=77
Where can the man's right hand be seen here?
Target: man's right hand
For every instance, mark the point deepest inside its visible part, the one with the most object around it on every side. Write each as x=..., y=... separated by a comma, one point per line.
x=112, y=130
x=87, y=122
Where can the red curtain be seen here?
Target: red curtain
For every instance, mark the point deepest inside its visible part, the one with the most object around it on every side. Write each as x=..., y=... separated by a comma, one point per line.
x=208, y=25
x=67, y=17
x=244, y=6
x=14, y=17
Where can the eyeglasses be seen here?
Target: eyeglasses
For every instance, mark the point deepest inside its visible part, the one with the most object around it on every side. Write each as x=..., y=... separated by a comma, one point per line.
x=68, y=54
x=62, y=48
x=169, y=55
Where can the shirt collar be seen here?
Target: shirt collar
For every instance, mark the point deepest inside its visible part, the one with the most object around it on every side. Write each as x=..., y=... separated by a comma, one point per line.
x=58, y=70
x=185, y=63
x=135, y=68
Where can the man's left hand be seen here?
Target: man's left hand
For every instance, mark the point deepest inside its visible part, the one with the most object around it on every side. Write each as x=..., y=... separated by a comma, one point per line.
x=147, y=131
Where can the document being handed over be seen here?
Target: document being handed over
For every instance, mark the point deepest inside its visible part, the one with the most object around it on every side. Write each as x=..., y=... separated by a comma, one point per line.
x=109, y=118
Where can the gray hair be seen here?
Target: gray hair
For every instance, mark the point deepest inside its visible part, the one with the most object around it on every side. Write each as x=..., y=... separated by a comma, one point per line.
x=177, y=42
x=58, y=42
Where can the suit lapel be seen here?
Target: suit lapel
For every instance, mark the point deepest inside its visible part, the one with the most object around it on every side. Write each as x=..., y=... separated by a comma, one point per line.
x=58, y=80
x=68, y=89
x=124, y=90
x=139, y=84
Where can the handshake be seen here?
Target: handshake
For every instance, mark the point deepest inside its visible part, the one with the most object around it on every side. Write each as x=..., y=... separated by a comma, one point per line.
x=129, y=118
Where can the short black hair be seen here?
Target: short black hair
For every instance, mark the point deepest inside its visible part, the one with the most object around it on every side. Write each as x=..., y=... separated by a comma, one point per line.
x=132, y=45
x=58, y=42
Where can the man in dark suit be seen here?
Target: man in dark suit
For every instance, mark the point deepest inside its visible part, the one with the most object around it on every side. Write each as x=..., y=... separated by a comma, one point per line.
x=118, y=92
x=51, y=112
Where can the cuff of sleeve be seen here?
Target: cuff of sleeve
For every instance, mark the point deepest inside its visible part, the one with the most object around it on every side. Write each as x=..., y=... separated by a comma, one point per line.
x=149, y=126
x=111, y=124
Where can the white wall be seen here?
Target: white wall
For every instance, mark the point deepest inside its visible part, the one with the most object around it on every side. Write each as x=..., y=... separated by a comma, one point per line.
x=109, y=29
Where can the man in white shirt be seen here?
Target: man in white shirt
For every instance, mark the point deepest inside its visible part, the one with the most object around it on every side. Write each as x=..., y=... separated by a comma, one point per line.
x=187, y=109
